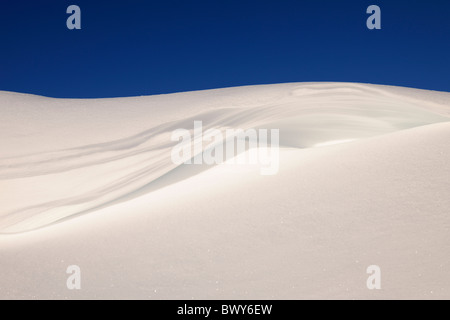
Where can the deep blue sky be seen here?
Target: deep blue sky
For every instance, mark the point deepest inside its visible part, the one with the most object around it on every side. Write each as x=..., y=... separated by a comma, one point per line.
x=149, y=47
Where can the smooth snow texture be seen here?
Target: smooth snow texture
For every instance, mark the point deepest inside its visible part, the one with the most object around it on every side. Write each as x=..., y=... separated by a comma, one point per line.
x=364, y=179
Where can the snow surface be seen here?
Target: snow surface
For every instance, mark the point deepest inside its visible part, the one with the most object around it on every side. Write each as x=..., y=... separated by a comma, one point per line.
x=363, y=180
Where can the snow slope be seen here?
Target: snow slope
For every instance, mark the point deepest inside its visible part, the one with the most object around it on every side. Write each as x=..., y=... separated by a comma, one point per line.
x=91, y=183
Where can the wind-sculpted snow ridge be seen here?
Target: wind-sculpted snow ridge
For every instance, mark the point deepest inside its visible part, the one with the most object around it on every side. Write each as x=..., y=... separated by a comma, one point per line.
x=62, y=158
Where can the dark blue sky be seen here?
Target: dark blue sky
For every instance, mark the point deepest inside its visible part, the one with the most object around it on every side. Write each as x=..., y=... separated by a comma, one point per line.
x=147, y=47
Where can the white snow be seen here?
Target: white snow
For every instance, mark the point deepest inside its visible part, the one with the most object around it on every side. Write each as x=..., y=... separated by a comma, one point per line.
x=363, y=180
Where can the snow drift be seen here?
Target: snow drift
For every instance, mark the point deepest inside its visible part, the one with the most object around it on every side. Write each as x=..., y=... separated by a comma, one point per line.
x=364, y=179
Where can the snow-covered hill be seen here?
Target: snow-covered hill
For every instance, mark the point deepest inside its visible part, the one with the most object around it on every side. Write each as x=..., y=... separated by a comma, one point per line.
x=363, y=180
